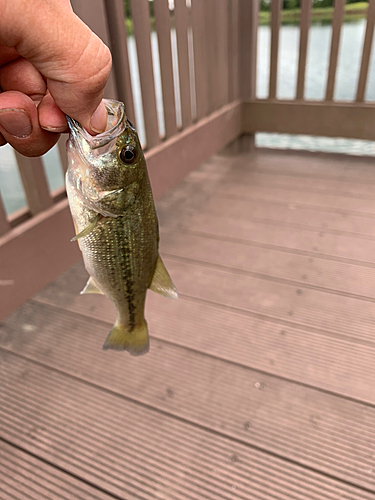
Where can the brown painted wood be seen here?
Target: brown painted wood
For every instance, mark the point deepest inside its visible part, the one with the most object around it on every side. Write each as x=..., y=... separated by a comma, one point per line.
x=286, y=387
x=198, y=13
x=19, y=216
x=313, y=118
x=222, y=50
x=303, y=42
x=329, y=451
x=181, y=24
x=366, y=52
x=211, y=39
x=142, y=33
x=248, y=35
x=93, y=13
x=191, y=147
x=161, y=453
x=273, y=263
x=34, y=183
x=325, y=201
x=275, y=33
x=25, y=476
x=163, y=28
x=233, y=49
x=62, y=152
x=119, y=48
x=335, y=42
x=4, y=223
x=34, y=253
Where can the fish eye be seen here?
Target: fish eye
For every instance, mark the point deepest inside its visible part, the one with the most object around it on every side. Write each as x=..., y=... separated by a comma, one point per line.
x=127, y=154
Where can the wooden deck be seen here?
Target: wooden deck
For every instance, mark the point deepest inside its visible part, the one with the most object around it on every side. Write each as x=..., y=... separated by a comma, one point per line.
x=260, y=379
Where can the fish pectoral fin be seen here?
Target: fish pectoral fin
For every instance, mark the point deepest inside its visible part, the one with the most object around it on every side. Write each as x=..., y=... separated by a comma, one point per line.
x=161, y=281
x=91, y=287
x=135, y=341
x=87, y=229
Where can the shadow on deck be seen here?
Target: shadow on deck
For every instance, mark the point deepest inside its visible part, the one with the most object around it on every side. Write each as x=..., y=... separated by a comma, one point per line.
x=260, y=379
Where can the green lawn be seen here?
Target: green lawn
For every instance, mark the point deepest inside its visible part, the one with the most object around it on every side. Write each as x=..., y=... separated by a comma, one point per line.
x=353, y=12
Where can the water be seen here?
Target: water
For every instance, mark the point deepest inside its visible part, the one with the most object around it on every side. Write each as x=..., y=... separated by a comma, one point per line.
x=316, y=79
x=350, y=52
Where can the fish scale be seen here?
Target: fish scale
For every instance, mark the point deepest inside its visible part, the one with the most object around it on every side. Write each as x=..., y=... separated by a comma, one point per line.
x=112, y=206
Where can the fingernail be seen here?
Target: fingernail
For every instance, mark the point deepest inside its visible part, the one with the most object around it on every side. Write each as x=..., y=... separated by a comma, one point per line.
x=15, y=122
x=57, y=130
x=98, y=121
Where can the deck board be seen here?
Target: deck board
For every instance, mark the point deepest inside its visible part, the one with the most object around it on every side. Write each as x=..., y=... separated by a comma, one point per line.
x=25, y=476
x=80, y=428
x=259, y=382
x=278, y=347
x=338, y=438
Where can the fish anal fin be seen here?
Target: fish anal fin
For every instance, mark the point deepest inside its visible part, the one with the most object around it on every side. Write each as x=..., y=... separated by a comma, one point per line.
x=91, y=287
x=161, y=281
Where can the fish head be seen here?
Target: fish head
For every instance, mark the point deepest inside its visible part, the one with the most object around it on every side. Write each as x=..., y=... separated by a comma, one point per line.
x=104, y=167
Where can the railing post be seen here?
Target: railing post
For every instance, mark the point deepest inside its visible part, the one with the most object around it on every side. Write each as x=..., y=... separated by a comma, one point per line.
x=366, y=53
x=248, y=12
x=338, y=17
x=4, y=224
x=93, y=13
x=34, y=182
x=119, y=48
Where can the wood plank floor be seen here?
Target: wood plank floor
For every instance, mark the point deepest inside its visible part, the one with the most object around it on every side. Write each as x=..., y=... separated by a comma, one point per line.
x=260, y=379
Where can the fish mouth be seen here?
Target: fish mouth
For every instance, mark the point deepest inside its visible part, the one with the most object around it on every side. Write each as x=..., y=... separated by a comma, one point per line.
x=116, y=124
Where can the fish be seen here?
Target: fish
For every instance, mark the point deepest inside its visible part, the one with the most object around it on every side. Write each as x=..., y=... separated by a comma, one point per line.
x=116, y=224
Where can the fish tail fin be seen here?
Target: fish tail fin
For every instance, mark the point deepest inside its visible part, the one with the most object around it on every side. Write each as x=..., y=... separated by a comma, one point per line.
x=135, y=341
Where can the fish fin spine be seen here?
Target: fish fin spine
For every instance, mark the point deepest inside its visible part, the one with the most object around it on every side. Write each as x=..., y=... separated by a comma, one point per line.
x=161, y=281
x=91, y=287
x=90, y=227
x=135, y=341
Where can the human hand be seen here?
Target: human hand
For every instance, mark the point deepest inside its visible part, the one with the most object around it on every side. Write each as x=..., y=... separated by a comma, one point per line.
x=51, y=65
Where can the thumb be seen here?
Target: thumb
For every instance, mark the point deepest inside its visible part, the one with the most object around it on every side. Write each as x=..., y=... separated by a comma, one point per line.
x=73, y=60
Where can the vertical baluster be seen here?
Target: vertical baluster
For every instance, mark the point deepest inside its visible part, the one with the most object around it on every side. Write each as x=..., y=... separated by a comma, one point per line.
x=95, y=18
x=233, y=81
x=303, y=41
x=4, y=224
x=62, y=152
x=275, y=32
x=367, y=44
x=335, y=42
x=248, y=13
x=163, y=28
x=142, y=33
x=119, y=49
x=248, y=38
x=211, y=33
x=200, y=57
x=34, y=182
x=222, y=51
x=181, y=22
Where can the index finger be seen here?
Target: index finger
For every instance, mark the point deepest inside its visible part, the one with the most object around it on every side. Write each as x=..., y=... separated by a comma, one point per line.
x=74, y=61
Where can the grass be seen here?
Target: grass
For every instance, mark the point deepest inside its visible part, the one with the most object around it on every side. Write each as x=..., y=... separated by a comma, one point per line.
x=353, y=12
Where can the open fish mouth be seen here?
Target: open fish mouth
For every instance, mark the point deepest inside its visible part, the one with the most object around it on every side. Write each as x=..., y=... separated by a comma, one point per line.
x=116, y=124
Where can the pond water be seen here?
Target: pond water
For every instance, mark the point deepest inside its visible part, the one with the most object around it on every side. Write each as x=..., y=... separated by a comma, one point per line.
x=316, y=77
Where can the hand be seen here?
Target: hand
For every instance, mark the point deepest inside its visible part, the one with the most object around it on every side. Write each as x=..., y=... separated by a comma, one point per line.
x=51, y=65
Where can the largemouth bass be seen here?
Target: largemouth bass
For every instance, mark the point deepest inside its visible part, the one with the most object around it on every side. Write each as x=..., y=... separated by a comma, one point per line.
x=113, y=210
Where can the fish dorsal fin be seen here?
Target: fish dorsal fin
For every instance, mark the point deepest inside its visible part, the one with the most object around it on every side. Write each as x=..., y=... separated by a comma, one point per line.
x=91, y=287
x=161, y=281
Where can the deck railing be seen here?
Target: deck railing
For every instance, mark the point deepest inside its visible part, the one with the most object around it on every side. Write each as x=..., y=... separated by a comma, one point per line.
x=216, y=103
